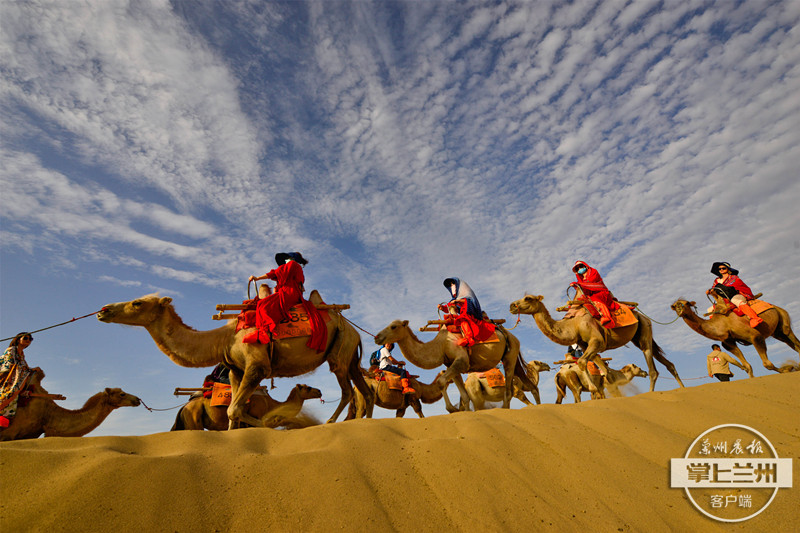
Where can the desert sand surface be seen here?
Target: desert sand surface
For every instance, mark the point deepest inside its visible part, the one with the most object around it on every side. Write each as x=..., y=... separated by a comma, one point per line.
x=594, y=466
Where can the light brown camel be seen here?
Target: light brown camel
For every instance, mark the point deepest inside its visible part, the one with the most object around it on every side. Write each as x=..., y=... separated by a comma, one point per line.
x=594, y=339
x=443, y=350
x=480, y=392
x=570, y=376
x=395, y=399
x=619, y=378
x=249, y=363
x=44, y=416
x=199, y=414
x=730, y=329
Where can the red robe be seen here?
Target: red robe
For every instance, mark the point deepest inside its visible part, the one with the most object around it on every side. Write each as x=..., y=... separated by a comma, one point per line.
x=737, y=283
x=289, y=280
x=593, y=287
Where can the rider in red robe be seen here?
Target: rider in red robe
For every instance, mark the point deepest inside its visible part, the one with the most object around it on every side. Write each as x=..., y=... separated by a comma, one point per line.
x=593, y=287
x=288, y=292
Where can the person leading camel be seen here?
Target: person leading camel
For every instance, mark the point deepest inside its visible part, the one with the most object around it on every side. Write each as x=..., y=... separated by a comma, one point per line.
x=390, y=364
x=468, y=315
x=288, y=292
x=729, y=285
x=14, y=374
x=593, y=287
x=717, y=362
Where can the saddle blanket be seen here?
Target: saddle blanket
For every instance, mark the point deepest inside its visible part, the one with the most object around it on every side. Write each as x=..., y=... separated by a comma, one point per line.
x=297, y=325
x=494, y=377
x=392, y=380
x=492, y=338
x=623, y=316
x=759, y=306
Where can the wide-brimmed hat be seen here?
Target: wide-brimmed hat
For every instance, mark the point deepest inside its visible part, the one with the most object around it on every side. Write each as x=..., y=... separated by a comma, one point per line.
x=715, y=268
x=281, y=257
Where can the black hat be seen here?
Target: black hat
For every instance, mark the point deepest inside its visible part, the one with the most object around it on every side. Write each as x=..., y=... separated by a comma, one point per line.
x=281, y=257
x=715, y=268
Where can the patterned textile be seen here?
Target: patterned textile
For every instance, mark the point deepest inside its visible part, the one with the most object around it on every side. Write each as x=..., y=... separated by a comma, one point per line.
x=14, y=374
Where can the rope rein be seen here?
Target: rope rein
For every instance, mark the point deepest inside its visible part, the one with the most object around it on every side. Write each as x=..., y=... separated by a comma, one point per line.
x=151, y=409
x=56, y=325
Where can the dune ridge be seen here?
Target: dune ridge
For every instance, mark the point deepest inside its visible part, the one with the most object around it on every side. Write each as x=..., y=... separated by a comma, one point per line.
x=595, y=466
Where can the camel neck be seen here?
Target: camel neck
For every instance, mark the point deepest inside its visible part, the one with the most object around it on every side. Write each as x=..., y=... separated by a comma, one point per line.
x=427, y=355
x=188, y=347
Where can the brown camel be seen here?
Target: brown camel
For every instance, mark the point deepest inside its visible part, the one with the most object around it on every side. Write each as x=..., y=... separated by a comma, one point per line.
x=443, y=350
x=249, y=363
x=577, y=380
x=199, y=414
x=44, y=416
x=480, y=392
x=594, y=339
x=730, y=329
x=395, y=399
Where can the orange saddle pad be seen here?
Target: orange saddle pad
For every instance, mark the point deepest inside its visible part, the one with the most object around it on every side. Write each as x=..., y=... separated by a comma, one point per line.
x=623, y=316
x=220, y=394
x=494, y=377
x=298, y=323
x=392, y=381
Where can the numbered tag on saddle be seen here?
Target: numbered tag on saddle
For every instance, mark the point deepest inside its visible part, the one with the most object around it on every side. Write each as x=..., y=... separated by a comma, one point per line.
x=495, y=378
x=221, y=394
x=296, y=325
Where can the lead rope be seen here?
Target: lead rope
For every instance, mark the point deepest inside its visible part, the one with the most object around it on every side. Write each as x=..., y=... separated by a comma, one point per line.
x=56, y=325
x=151, y=409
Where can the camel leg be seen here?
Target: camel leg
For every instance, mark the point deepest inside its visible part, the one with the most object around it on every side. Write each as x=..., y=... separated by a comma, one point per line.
x=574, y=387
x=453, y=373
x=347, y=394
x=237, y=411
x=400, y=413
x=561, y=390
x=417, y=406
x=449, y=406
x=519, y=395
x=730, y=345
x=785, y=334
x=761, y=348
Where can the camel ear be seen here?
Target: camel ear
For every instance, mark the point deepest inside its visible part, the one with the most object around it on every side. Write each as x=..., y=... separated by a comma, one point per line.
x=166, y=300
x=540, y=297
x=405, y=323
x=693, y=304
x=108, y=390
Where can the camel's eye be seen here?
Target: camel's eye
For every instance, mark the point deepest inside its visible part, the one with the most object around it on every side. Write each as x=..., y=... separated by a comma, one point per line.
x=137, y=303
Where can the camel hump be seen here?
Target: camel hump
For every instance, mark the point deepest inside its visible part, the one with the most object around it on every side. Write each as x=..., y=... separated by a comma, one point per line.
x=315, y=297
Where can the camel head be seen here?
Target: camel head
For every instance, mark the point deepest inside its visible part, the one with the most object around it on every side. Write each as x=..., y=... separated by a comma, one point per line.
x=307, y=393
x=119, y=398
x=393, y=332
x=633, y=371
x=528, y=305
x=139, y=312
x=683, y=307
x=539, y=366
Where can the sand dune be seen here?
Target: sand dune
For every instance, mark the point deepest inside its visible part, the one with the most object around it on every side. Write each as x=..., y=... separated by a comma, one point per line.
x=596, y=466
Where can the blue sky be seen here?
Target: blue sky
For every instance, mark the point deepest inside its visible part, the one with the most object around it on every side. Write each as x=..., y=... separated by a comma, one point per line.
x=176, y=147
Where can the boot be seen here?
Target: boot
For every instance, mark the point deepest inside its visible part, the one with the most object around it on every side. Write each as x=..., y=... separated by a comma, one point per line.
x=755, y=320
x=406, y=388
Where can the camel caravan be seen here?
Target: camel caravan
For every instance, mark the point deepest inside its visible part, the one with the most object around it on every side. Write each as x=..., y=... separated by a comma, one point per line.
x=280, y=334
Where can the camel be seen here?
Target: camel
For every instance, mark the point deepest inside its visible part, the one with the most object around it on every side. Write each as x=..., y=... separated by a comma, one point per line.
x=730, y=329
x=594, y=339
x=480, y=392
x=577, y=380
x=199, y=414
x=443, y=350
x=44, y=416
x=249, y=363
x=395, y=399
